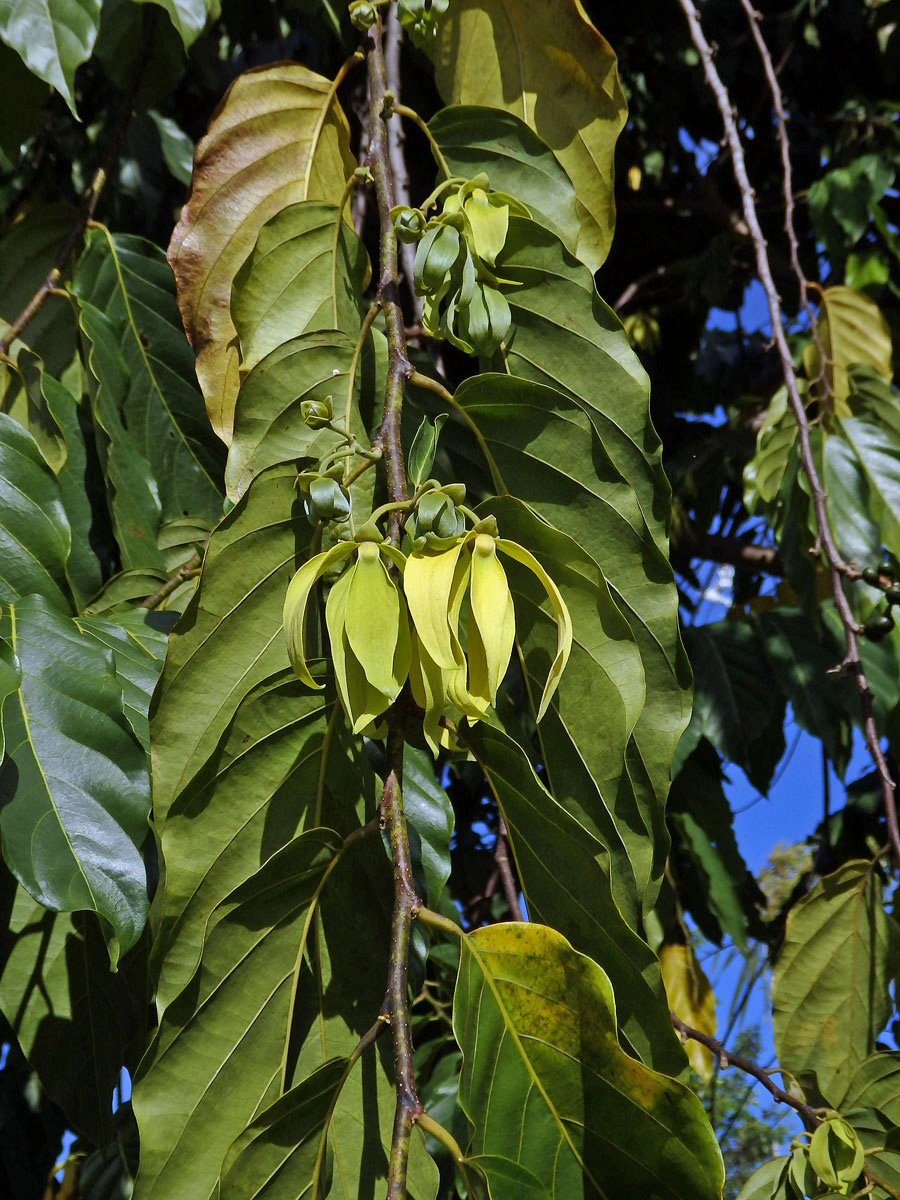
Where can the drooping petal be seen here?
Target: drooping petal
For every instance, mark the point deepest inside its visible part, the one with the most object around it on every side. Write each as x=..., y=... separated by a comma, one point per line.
x=361, y=702
x=468, y=701
x=427, y=582
x=560, y=612
x=373, y=619
x=489, y=224
x=428, y=684
x=295, y=602
x=492, y=618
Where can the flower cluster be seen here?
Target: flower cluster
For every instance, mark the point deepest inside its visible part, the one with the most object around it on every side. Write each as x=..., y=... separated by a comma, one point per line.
x=441, y=616
x=455, y=263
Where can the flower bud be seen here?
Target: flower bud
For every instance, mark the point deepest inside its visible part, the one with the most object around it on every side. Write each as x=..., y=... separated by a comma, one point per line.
x=362, y=15
x=316, y=413
x=437, y=518
x=327, y=500
x=485, y=321
x=436, y=254
x=409, y=223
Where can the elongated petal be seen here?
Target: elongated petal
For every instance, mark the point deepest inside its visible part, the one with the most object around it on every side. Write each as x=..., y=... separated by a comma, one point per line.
x=428, y=684
x=560, y=612
x=361, y=702
x=427, y=582
x=295, y=602
x=373, y=618
x=489, y=224
x=492, y=613
x=468, y=701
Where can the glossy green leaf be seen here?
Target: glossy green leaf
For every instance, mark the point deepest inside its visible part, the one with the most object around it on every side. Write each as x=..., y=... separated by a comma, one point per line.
x=291, y=282
x=77, y=1022
x=424, y=448
x=547, y=1085
x=35, y=537
x=279, y=136
x=52, y=37
x=545, y=450
x=564, y=874
x=830, y=983
x=74, y=788
x=877, y=450
x=881, y=1140
x=230, y=637
x=161, y=409
x=550, y=67
x=473, y=140
x=430, y=814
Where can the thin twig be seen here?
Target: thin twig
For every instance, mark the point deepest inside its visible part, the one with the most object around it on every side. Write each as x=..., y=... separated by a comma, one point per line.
x=395, y=140
x=185, y=571
x=91, y=196
x=728, y=1058
x=501, y=858
x=837, y=568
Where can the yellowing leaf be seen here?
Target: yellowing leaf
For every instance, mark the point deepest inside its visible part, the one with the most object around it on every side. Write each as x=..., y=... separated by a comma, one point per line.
x=278, y=137
x=851, y=330
x=691, y=998
x=548, y=65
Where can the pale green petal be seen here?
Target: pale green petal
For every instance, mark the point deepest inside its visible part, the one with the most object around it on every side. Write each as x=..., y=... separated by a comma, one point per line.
x=373, y=619
x=489, y=224
x=427, y=581
x=467, y=701
x=295, y=602
x=560, y=612
x=428, y=684
x=361, y=702
x=493, y=614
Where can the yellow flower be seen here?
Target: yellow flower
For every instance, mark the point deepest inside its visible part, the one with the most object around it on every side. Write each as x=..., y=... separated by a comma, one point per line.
x=367, y=623
x=437, y=582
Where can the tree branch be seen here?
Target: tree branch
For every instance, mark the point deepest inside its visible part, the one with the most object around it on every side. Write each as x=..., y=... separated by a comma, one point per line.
x=395, y=142
x=501, y=858
x=726, y=1057
x=714, y=547
x=91, y=196
x=837, y=568
x=392, y=817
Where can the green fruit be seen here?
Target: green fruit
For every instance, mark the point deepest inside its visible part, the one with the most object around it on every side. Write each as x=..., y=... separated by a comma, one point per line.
x=877, y=628
x=870, y=576
x=892, y=594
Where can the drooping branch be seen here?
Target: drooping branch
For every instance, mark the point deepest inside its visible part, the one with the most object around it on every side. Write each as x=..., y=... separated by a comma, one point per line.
x=91, y=196
x=838, y=570
x=728, y=1058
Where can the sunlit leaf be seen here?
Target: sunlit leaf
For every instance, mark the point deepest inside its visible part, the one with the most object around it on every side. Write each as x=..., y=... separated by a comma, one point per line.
x=851, y=330
x=549, y=66
x=692, y=999
x=279, y=136
x=547, y=1085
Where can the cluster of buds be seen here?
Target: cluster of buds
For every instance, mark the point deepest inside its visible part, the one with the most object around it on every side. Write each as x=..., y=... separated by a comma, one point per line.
x=455, y=263
x=440, y=615
x=418, y=17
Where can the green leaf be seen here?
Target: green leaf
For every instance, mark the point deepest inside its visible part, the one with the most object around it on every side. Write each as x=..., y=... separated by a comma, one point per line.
x=278, y=137
x=268, y=428
x=475, y=140
x=285, y=764
x=138, y=650
x=876, y=1084
x=291, y=282
x=53, y=38
x=124, y=49
x=545, y=450
x=301, y=947
x=74, y=788
x=128, y=280
x=851, y=330
x=550, y=67
x=881, y=1140
x=430, y=814
x=565, y=877
x=763, y=1183
x=735, y=705
x=279, y=1149
x=231, y=635
x=877, y=450
x=423, y=449
x=34, y=533
x=830, y=983
x=547, y=1086
x=189, y=17
x=77, y=1022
